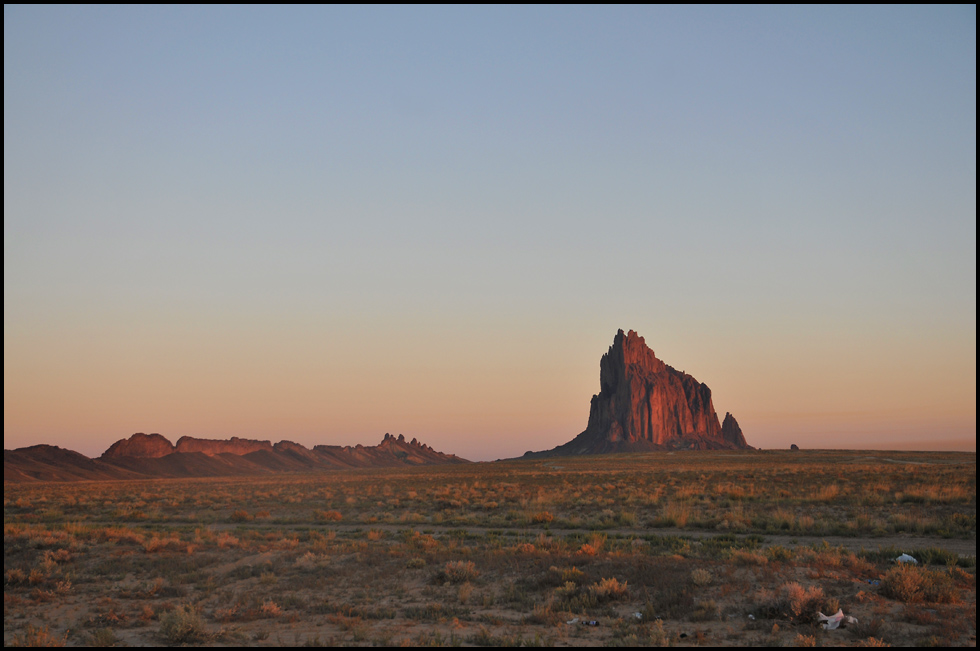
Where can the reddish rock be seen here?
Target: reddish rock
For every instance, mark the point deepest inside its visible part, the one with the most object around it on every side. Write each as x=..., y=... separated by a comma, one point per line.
x=212, y=447
x=149, y=446
x=645, y=404
x=296, y=451
x=146, y=456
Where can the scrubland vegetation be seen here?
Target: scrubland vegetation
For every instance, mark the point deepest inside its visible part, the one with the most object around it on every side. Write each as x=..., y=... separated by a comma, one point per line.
x=657, y=549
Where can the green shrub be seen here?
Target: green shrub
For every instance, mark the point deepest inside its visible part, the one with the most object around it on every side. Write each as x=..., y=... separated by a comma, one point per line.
x=182, y=625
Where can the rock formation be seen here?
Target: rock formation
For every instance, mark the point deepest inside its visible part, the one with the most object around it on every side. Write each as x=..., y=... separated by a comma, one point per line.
x=732, y=433
x=140, y=445
x=645, y=404
x=211, y=447
x=51, y=463
x=143, y=456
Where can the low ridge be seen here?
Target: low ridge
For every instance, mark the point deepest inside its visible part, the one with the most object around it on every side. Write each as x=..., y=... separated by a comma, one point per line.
x=144, y=456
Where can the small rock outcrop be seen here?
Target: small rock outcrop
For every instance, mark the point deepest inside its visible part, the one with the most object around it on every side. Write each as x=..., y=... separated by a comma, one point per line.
x=645, y=404
x=731, y=432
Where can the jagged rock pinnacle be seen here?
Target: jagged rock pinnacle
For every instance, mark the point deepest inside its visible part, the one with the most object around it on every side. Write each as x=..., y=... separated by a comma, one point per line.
x=645, y=404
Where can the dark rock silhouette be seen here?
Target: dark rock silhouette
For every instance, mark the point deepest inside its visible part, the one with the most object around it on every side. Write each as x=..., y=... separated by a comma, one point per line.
x=732, y=433
x=645, y=404
x=794, y=446
x=51, y=463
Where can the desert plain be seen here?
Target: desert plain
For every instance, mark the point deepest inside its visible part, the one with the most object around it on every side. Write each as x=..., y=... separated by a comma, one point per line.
x=684, y=548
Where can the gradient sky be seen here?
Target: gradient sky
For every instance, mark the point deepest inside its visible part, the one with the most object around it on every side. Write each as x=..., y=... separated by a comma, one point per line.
x=324, y=224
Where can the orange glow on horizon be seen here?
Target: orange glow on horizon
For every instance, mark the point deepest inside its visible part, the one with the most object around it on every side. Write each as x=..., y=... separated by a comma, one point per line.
x=498, y=399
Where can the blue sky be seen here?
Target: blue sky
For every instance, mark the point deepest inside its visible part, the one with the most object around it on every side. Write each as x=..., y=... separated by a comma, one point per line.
x=328, y=223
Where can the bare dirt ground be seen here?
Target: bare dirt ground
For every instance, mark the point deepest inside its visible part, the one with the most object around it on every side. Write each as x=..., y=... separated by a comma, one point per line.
x=657, y=549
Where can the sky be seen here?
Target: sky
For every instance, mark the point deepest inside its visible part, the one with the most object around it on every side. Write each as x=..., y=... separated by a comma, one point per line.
x=325, y=224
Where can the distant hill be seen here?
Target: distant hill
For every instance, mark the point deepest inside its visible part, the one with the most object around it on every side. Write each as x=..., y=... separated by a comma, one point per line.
x=145, y=456
x=644, y=404
x=51, y=463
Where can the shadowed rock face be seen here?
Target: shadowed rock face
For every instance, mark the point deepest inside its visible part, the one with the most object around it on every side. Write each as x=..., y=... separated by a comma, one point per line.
x=645, y=404
x=731, y=432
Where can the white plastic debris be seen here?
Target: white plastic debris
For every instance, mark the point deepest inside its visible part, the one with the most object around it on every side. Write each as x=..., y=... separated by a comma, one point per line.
x=850, y=620
x=905, y=558
x=572, y=621
x=832, y=621
x=752, y=617
x=638, y=615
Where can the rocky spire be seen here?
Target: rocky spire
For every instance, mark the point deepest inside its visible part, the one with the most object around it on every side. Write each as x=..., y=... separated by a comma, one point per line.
x=731, y=432
x=645, y=404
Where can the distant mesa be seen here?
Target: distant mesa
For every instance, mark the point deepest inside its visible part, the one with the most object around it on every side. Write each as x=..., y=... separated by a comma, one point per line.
x=140, y=445
x=144, y=456
x=211, y=447
x=645, y=404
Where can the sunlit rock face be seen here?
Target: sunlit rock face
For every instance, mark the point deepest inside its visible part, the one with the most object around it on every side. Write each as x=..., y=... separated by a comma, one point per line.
x=645, y=404
x=211, y=447
x=150, y=446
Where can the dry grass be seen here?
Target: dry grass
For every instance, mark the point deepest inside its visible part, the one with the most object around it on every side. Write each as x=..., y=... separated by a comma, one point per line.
x=701, y=577
x=913, y=584
x=182, y=625
x=502, y=554
x=609, y=590
x=459, y=571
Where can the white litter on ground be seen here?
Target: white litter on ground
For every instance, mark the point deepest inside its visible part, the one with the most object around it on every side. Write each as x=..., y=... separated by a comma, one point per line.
x=832, y=621
x=905, y=558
